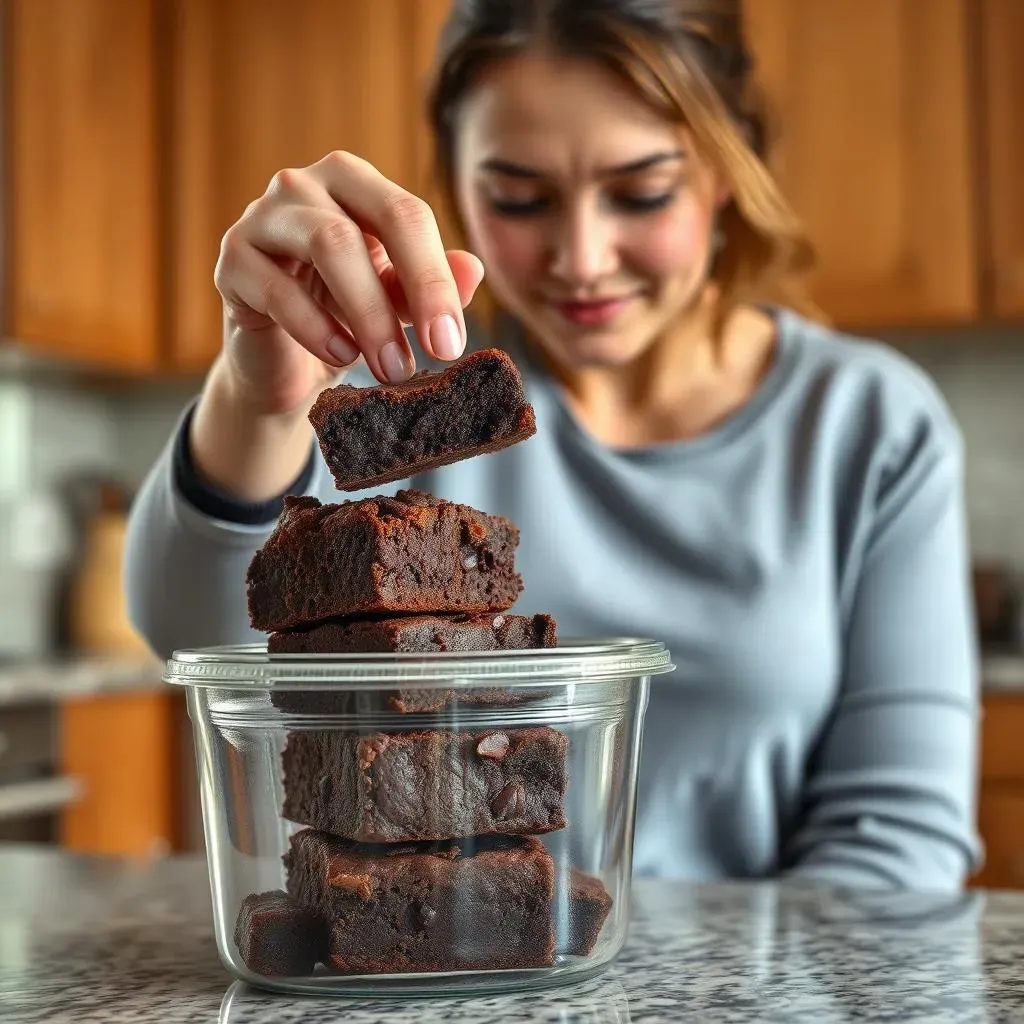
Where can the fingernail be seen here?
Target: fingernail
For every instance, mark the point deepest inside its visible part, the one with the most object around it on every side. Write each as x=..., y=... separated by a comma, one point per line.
x=445, y=337
x=341, y=350
x=395, y=363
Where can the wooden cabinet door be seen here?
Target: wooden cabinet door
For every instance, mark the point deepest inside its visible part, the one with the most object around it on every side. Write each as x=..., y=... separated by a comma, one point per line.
x=1001, y=798
x=1003, y=98
x=259, y=85
x=122, y=749
x=427, y=20
x=82, y=249
x=1001, y=823
x=874, y=150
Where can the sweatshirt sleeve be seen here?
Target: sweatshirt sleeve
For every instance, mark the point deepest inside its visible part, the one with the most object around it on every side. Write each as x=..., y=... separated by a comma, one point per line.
x=188, y=550
x=889, y=797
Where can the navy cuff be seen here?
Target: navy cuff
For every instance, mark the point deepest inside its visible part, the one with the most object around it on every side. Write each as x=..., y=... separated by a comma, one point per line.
x=216, y=504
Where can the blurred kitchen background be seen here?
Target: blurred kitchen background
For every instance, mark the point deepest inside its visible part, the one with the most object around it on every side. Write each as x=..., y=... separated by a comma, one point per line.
x=135, y=132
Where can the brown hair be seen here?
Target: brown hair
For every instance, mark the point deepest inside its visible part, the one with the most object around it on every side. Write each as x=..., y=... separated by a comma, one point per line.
x=688, y=60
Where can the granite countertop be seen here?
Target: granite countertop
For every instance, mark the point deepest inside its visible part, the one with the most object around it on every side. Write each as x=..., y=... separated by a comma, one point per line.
x=85, y=939
x=77, y=677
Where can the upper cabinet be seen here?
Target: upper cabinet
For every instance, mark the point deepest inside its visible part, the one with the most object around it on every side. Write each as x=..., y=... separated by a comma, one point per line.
x=1002, y=44
x=137, y=131
x=81, y=204
x=875, y=150
x=259, y=85
x=427, y=19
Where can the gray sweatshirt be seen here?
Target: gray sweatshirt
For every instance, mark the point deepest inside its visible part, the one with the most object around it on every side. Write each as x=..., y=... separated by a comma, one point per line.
x=806, y=563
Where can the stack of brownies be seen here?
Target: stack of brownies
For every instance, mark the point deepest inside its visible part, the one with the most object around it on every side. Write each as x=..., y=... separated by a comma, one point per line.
x=420, y=850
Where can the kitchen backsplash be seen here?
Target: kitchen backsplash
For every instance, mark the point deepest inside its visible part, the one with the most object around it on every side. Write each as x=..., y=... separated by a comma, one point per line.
x=981, y=373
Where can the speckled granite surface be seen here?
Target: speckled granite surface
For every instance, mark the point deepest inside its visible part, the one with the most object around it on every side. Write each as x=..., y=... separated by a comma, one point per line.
x=86, y=940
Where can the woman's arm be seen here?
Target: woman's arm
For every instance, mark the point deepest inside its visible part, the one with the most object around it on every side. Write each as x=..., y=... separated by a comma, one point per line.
x=890, y=792
x=320, y=271
x=189, y=546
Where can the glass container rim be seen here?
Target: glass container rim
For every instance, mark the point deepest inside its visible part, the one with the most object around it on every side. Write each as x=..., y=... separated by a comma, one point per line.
x=574, y=660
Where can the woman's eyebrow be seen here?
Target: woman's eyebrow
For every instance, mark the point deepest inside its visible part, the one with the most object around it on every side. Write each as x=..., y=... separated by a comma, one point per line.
x=514, y=170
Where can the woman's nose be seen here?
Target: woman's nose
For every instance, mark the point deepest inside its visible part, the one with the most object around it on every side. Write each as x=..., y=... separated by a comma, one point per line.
x=585, y=249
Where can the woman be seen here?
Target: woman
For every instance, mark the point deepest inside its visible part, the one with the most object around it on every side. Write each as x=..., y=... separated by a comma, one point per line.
x=780, y=504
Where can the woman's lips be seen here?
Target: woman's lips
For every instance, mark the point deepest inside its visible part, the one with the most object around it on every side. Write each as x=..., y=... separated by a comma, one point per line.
x=592, y=314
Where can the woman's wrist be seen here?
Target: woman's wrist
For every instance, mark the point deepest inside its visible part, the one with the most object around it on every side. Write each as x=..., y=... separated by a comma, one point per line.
x=248, y=455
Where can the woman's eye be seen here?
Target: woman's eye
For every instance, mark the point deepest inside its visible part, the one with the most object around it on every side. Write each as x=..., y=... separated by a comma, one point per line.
x=519, y=207
x=644, y=204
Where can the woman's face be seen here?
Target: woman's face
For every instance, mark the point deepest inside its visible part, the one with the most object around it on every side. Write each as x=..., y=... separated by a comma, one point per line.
x=592, y=215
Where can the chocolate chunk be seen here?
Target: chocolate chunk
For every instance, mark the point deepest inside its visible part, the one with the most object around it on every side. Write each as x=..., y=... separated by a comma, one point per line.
x=494, y=745
x=361, y=885
x=509, y=803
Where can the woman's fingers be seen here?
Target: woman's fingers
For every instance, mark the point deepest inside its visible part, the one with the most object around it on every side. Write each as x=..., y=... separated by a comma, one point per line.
x=336, y=249
x=340, y=257
x=466, y=269
x=408, y=231
x=256, y=284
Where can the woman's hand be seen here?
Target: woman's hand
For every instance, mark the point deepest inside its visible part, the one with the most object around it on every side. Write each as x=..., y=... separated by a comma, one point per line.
x=326, y=266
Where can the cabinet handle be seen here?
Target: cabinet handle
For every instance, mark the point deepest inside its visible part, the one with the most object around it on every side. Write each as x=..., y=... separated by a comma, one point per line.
x=26, y=799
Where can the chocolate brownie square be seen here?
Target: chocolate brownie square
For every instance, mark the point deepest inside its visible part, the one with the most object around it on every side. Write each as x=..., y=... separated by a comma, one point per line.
x=468, y=904
x=412, y=553
x=372, y=436
x=276, y=937
x=589, y=904
x=350, y=702
x=426, y=785
x=408, y=635
x=418, y=634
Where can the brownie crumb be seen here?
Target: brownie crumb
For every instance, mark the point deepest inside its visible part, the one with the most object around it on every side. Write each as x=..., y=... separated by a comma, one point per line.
x=276, y=937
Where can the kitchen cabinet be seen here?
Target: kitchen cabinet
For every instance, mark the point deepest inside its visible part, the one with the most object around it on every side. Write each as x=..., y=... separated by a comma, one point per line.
x=259, y=85
x=426, y=21
x=124, y=751
x=1001, y=801
x=81, y=198
x=876, y=149
x=138, y=130
x=1002, y=38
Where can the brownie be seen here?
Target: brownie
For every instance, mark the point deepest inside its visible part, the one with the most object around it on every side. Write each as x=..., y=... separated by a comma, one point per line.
x=409, y=553
x=410, y=634
x=468, y=904
x=276, y=937
x=371, y=436
x=418, y=633
x=352, y=702
x=426, y=785
x=589, y=904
